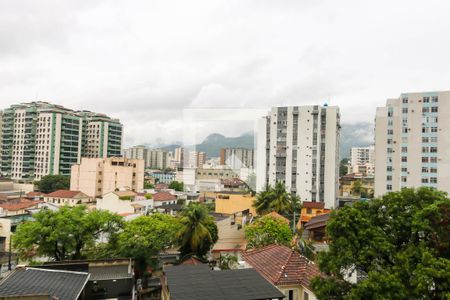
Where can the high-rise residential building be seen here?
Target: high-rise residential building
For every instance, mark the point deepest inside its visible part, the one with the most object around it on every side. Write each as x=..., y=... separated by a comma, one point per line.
x=300, y=146
x=237, y=158
x=412, y=140
x=98, y=176
x=362, y=160
x=196, y=159
x=39, y=138
x=179, y=156
x=154, y=158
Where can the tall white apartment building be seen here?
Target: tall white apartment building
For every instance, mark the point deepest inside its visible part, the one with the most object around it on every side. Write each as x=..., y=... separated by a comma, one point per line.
x=196, y=159
x=154, y=158
x=237, y=158
x=300, y=146
x=412, y=142
x=362, y=158
x=40, y=138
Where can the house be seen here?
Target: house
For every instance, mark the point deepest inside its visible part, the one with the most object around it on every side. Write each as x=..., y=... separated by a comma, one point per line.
x=188, y=282
x=310, y=210
x=169, y=209
x=125, y=203
x=163, y=198
x=285, y=268
x=231, y=239
x=67, y=197
x=316, y=228
x=35, y=282
x=5, y=234
x=17, y=206
x=35, y=195
x=231, y=202
x=108, y=278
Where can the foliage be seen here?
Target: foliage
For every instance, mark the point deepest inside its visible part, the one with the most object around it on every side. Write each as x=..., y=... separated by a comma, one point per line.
x=306, y=248
x=144, y=237
x=148, y=196
x=228, y=262
x=148, y=185
x=400, y=241
x=64, y=234
x=267, y=231
x=177, y=186
x=343, y=170
x=198, y=232
x=125, y=197
x=276, y=199
x=51, y=183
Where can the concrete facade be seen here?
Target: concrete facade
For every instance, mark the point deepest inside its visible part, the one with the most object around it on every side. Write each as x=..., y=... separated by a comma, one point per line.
x=412, y=142
x=300, y=146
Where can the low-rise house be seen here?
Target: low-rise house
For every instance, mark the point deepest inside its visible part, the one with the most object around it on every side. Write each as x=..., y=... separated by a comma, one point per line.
x=5, y=234
x=108, y=278
x=17, y=206
x=231, y=237
x=187, y=282
x=169, y=209
x=315, y=229
x=36, y=283
x=285, y=268
x=164, y=198
x=231, y=202
x=124, y=202
x=35, y=195
x=310, y=210
x=67, y=197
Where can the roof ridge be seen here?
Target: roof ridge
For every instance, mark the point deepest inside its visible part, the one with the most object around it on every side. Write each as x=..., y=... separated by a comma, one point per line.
x=53, y=270
x=283, y=266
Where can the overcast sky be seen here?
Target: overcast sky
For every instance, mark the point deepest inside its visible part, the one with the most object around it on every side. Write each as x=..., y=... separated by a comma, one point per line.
x=146, y=61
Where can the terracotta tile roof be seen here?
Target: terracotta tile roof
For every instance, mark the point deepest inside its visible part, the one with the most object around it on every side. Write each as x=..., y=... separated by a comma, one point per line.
x=19, y=204
x=63, y=194
x=282, y=266
x=34, y=194
x=318, y=205
x=161, y=186
x=125, y=193
x=276, y=215
x=192, y=261
x=164, y=196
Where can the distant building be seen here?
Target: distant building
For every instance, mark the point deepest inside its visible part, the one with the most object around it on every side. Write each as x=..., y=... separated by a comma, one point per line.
x=154, y=158
x=412, y=138
x=179, y=157
x=39, y=138
x=362, y=160
x=230, y=203
x=98, y=176
x=196, y=159
x=237, y=158
x=124, y=202
x=162, y=176
x=299, y=146
x=67, y=197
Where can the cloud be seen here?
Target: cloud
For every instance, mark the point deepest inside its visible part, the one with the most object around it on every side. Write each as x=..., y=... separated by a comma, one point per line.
x=147, y=61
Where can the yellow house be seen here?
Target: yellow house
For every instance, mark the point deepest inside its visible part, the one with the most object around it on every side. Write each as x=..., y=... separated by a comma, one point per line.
x=310, y=210
x=230, y=203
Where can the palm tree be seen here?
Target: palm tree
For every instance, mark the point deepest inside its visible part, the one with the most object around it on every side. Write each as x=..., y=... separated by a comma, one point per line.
x=263, y=200
x=196, y=234
x=276, y=199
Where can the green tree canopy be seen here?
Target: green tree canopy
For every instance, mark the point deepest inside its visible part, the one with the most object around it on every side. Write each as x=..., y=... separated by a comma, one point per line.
x=268, y=230
x=198, y=232
x=177, y=186
x=51, y=183
x=401, y=241
x=64, y=234
x=144, y=237
x=276, y=199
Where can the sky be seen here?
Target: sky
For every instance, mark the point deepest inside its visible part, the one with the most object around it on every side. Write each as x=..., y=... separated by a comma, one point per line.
x=151, y=63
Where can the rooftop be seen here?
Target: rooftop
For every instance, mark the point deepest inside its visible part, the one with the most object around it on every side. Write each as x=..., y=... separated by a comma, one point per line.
x=317, y=221
x=200, y=282
x=164, y=196
x=318, y=205
x=18, y=204
x=58, y=284
x=64, y=194
x=282, y=265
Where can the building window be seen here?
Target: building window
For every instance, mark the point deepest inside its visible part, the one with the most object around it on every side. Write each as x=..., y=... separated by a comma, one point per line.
x=405, y=110
x=404, y=169
x=291, y=294
x=309, y=211
x=305, y=296
x=389, y=168
x=405, y=100
x=433, y=179
x=426, y=99
x=389, y=187
x=424, y=159
x=404, y=158
x=424, y=180
x=433, y=159
x=389, y=178
x=434, y=99
x=434, y=109
x=403, y=178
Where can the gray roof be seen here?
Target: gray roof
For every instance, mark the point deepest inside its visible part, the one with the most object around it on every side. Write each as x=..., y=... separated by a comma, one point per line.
x=109, y=272
x=31, y=281
x=200, y=282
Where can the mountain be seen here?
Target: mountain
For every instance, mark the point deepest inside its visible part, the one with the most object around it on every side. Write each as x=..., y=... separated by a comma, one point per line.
x=352, y=135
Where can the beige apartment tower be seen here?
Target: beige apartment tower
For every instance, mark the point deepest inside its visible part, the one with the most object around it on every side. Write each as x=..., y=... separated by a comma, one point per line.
x=98, y=176
x=412, y=142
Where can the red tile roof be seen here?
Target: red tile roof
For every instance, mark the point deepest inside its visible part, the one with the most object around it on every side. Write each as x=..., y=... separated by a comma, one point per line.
x=317, y=221
x=63, y=194
x=161, y=186
x=164, y=196
x=276, y=215
x=282, y=266
x=18, y=204
x=318, y=205
x=34, y=194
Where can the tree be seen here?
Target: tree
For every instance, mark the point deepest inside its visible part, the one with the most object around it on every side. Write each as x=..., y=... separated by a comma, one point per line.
x=357, y=188
x=276, y=199
x=268, y=230
x=144, y=237
x=228, y=262
x=198, y=232
x=51, y=183
x=343, y=170
x=177, y=186
x=400, y=241
x=148, y=185
x=64, y=234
